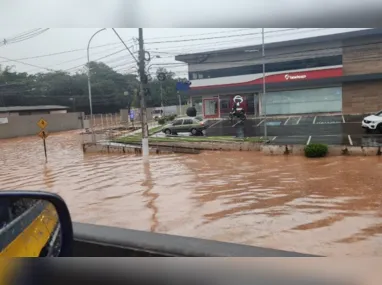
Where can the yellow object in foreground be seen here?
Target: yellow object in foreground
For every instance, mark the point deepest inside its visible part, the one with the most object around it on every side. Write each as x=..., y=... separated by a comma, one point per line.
x=35, y=236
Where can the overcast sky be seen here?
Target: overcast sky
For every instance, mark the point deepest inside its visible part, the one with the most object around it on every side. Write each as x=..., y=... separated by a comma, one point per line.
x=165, y=43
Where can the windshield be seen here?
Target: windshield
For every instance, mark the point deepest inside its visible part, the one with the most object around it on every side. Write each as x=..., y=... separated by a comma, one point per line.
x=243, y=175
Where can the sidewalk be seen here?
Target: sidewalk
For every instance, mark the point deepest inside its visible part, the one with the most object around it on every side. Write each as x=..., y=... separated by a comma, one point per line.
x=151, y=126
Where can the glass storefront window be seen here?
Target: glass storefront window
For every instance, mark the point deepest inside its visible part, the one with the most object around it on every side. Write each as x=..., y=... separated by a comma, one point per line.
x=303, y=101
x=210, y=107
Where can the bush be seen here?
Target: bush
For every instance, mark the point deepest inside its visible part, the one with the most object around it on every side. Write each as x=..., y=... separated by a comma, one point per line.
x=171, y=117
x=161, y=121
x=316, y=150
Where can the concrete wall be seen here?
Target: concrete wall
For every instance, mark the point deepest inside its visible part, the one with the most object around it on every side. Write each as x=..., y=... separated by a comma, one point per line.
x=19, y=126
x=362, y=56
x=362, y=97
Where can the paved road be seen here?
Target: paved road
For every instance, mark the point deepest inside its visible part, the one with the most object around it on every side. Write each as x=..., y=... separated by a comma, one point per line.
x=337, y=130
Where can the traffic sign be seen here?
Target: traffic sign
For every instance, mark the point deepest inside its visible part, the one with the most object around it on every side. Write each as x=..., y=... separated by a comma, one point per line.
x=43, y=134
x=42, y=123
x=161, y=76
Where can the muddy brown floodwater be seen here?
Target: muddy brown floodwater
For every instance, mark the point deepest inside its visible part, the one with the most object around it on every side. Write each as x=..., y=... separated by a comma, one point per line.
x=329, y=206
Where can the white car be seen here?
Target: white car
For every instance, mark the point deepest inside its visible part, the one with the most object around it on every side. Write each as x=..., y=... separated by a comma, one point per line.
x=373, y=122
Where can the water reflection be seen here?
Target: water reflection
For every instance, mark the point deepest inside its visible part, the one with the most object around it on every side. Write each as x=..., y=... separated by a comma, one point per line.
x=329, y=206
x=148, y=183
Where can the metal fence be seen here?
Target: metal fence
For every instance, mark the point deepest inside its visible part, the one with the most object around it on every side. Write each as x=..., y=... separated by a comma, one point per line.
x=107, y=127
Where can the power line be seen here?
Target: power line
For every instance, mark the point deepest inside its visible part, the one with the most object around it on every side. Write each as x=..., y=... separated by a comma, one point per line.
x=106, y=56
x=28, y=37
x=170, y=48
x=49, y=69
x=94, y=47
x=24, y=37
x=63, y=52
x=5, y=40
x=219, y=37
x=73, y=60
x=211, y=33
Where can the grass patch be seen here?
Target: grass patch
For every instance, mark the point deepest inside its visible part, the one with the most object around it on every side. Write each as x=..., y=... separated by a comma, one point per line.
x=152, y=131
x=155, y=130
x=137, y=139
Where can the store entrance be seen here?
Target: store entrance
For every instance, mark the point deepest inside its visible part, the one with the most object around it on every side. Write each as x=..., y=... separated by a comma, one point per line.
x=211, y=108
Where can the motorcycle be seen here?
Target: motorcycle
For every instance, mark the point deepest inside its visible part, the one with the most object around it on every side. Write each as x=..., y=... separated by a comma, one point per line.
x=239, y=114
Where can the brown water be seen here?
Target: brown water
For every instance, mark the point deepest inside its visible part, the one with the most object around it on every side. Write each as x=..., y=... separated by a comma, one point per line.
x=329, y=206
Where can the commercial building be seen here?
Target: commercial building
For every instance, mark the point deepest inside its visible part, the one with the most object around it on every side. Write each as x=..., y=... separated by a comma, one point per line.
x=339, y=73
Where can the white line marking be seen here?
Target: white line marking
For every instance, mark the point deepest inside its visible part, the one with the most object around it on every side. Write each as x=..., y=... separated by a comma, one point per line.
x=350, y=140
x=287, y=121
x=214, y=124
x=274, y=138
x=259, y=123
x=236, y=123
x=298, y=121
x=308, y=142
x=314, y=121
x=343, y=119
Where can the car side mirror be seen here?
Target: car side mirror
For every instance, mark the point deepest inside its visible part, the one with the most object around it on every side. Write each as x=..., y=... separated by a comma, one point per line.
x=34, y=224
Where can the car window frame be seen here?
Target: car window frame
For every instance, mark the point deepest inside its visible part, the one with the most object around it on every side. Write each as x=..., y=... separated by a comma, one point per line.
x=191, y=120
x=178, y=121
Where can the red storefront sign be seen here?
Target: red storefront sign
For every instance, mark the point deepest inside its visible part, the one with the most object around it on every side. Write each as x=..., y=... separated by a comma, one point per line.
x=284, y=77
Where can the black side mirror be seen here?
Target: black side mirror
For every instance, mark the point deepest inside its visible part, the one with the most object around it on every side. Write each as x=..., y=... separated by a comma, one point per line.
x=34, y=224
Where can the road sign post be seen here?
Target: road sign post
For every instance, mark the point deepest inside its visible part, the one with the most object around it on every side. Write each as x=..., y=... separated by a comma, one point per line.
x=42, y=124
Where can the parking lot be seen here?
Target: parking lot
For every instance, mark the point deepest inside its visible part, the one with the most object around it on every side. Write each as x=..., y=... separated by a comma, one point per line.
x=330, y=129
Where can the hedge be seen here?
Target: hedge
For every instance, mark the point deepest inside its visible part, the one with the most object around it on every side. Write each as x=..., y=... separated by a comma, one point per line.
x=316, y=150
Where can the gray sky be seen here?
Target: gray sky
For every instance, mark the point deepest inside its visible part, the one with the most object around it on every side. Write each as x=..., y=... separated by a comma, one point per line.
x=165, y=43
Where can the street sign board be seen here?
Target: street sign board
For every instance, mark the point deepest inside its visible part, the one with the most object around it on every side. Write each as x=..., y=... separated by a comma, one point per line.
x=43, y=134
x=161, y=76
x=42, y=124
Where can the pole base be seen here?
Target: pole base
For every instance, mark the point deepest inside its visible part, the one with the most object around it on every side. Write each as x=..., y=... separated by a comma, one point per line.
x=145, y=147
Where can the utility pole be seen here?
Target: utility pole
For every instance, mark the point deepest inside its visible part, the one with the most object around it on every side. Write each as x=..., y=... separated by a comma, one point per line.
x=143, y=88
x=263, y=101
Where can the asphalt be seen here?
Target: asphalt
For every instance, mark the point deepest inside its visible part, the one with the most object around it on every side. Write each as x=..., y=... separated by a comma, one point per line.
x=330, y=129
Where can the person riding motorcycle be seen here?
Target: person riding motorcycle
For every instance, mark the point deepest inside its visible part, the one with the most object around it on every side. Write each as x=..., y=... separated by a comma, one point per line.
x=237, y=112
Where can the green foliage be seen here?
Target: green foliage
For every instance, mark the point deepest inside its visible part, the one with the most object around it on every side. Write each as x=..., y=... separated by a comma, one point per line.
x=111, y=90
x=161, y=121
x=171, y=117
x=316, y=150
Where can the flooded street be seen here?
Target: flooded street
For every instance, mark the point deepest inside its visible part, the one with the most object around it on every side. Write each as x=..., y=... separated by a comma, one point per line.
x=330, y=206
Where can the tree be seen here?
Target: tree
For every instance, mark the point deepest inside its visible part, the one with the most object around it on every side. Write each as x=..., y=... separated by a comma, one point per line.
x=61, y=88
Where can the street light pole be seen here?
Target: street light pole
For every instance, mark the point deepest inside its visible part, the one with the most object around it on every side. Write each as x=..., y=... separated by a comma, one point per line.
x=161, y=95
x=89, y=85
x=263, y=97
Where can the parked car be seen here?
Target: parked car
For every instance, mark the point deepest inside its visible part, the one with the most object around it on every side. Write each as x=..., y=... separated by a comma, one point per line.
x=373, y=122
x=195, y=126
x=157, y=114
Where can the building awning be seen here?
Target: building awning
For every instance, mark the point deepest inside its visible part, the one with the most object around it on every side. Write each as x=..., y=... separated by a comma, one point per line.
x=287, y=85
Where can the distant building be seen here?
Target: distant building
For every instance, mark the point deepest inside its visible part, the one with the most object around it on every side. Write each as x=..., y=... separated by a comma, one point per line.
x=32, y=110
x=324, y=74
